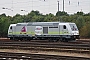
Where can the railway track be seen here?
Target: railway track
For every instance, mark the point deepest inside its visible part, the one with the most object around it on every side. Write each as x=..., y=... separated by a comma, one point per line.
x=25, y=43
x=77, y=41
x=25, y=56
x=84, y=40
x=58, y=47
x=69, y=47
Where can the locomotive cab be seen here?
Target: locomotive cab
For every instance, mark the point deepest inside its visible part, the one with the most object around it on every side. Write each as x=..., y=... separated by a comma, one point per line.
x=11, y=30
x=74, y=31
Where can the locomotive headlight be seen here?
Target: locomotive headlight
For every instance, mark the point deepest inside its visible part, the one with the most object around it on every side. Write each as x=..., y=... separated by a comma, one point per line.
x=77, y=33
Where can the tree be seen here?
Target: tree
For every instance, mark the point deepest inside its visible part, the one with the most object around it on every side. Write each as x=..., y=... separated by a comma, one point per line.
x=61, y=13
x=4, y=23
x=85, y=30
x=88, y=14
x=17, y=18
x=49, y=17
x=80, y=22
x=79, y=13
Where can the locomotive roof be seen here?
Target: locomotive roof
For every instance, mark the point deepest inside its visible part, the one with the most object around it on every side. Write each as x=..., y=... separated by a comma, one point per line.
x=42, y=23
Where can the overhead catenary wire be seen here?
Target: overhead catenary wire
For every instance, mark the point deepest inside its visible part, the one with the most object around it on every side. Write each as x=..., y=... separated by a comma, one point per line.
x=45, y=5
x=25, y=2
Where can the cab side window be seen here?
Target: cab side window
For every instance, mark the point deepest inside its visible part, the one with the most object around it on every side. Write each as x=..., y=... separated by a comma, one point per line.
x=11, y=27
x=64, y=27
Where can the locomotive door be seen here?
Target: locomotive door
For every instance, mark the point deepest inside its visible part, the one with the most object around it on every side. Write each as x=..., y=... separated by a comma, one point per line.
x=64, y=29
x=45, y=30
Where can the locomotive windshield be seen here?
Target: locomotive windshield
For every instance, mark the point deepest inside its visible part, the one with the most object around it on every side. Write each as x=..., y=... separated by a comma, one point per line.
x=73, y=27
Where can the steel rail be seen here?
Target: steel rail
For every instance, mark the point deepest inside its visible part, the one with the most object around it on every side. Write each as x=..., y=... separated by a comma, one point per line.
x=56, y=49
x=9, y=55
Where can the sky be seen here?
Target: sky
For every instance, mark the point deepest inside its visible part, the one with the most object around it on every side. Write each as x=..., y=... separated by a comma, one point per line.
x=13, y=7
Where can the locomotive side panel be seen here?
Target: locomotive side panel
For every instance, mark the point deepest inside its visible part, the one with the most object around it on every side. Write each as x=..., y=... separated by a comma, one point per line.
x=53, y=30
x=21, y=30
x=31, y=31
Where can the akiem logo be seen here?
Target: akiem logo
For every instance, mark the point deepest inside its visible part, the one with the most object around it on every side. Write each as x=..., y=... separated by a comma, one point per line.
x=23, y=30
